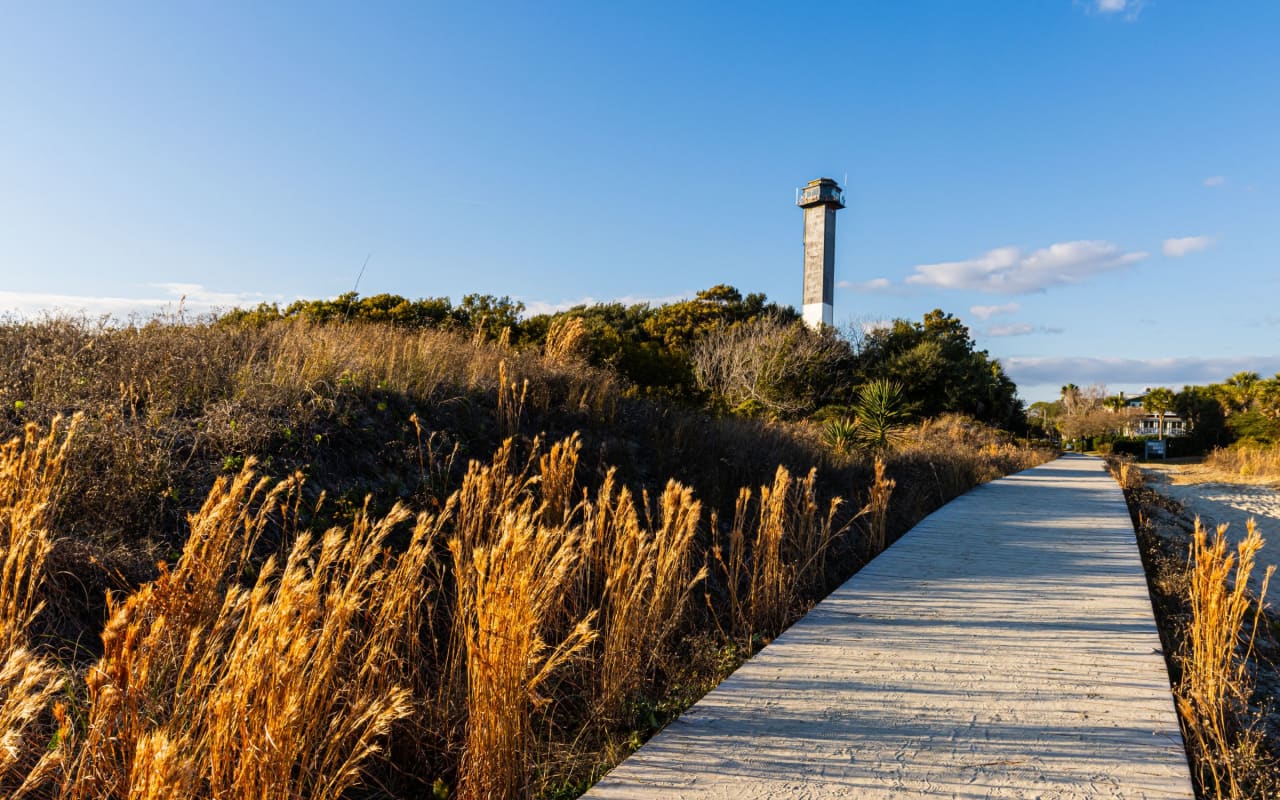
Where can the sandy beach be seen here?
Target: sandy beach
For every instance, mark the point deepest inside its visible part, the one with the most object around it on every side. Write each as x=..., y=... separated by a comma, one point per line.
x=1217, y=501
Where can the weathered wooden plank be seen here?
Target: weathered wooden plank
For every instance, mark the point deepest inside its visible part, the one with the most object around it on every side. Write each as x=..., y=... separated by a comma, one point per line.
x=1004, y=648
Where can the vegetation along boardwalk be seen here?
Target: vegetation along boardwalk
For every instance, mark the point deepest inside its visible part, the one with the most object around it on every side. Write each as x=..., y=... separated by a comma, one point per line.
x=1005, y=647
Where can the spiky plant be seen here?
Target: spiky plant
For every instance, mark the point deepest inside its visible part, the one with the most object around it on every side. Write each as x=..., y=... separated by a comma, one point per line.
x=881, y=415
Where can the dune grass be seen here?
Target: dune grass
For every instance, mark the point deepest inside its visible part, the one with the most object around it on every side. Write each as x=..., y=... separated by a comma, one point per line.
x=430, y=597
x=1217, y=683
x=1254, y=462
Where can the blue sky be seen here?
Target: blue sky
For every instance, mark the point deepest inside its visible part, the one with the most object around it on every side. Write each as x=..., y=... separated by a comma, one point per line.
x=1094, y=187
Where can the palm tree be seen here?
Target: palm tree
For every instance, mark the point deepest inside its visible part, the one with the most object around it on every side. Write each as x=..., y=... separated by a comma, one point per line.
x=1158, y=401
x=1241, y=388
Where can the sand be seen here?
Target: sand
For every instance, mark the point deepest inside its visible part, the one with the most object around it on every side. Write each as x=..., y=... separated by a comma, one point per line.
x=1216, y=501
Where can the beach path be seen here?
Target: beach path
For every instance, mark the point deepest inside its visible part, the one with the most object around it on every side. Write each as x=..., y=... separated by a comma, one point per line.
x=1004, y=648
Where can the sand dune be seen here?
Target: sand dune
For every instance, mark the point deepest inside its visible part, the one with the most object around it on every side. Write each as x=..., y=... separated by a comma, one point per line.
x=1217, y=502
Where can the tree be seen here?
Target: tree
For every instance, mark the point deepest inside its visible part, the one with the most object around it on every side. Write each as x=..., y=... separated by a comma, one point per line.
x=1268, y=397
x=488, y=313
x=1043, y=416
x=1239, y=390
x=1205, y=417
x=680, y=325
x=782, y=368
x=1083, y=414
x=652, y=346
x=1158, y=401
x=940, y=369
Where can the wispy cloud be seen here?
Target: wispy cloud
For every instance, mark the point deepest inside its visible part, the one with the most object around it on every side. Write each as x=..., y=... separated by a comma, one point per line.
x=873, y=285
x=1130, y=9
x=1152, y=372
x=1177, y=248
x=1020, y=329
x=1008, y=270
x=987, y=312
x=191, y=298
x=1215, y=180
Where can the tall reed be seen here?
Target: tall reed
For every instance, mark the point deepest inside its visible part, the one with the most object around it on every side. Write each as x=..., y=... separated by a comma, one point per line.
x=877, y=508
x=508, y=591
x=648, y=577
x=31, y=475
x=1213, y=695
x=274, y=688
x=776, y=549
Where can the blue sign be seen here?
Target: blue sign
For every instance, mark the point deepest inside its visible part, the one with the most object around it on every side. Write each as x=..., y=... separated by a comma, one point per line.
x=1155, y=447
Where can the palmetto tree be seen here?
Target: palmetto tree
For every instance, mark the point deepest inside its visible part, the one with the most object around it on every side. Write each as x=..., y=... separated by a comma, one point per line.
x=1158, y=401
x=1241, y=389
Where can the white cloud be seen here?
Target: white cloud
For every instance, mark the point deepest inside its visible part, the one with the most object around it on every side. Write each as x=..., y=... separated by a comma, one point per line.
x=1020, y=329
x=192, y=299
x=1215, y=180
x=1016, y=329
x=1130, y=8
x=1150, y=372
x=1177, y=248
x=873, y=285
x=987, y=312
x=873, y=325
x=1008, y=270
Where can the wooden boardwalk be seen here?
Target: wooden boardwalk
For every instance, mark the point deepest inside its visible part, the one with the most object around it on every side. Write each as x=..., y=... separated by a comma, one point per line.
x=1004, y=648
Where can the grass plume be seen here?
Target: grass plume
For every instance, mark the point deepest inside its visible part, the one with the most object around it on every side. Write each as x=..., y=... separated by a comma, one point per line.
x=1213, y=695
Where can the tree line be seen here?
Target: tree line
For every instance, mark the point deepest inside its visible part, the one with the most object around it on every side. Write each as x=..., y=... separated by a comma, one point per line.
x=1244, y=408
x=730, y=352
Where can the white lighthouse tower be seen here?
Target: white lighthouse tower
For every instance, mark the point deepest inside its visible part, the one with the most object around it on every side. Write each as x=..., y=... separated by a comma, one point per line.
x=820, y=199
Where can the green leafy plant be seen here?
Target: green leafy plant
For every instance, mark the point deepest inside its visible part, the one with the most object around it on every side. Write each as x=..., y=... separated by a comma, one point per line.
x=881, y=415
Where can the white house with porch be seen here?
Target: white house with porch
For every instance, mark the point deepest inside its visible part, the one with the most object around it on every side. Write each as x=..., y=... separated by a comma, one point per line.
x=1144, y=423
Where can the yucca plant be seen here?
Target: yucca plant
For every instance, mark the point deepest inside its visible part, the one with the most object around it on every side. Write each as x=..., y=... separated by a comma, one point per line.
x=881, y=415
x=841, y=434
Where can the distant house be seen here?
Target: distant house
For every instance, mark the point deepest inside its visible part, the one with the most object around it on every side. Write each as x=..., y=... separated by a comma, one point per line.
x=1144, y=423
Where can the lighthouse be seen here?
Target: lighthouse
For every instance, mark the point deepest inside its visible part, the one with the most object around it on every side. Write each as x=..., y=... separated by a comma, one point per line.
x=820, y=199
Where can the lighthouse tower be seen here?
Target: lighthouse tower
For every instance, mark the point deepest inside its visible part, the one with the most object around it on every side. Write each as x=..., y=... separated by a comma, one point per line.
x=820, y=199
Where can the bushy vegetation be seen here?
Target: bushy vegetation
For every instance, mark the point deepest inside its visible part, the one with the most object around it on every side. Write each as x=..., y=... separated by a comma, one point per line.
x=721, y=349
x=407, y=559
x=1247, y=461
x=1243, y=410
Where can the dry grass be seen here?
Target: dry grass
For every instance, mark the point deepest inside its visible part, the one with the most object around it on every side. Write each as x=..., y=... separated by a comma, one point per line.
x=497, y=643
x=31, y=475
x=509, y=593
x=1253, y=462
x=275, y=687
x=1125, y=470
x=1214, y=693
x=169, y=407
x=648, y=578
x=776, y=548
x=877, y=508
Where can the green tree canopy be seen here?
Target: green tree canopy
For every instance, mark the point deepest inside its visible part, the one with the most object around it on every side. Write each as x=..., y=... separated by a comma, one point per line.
x=940, y=369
